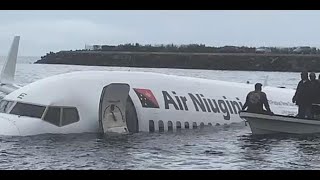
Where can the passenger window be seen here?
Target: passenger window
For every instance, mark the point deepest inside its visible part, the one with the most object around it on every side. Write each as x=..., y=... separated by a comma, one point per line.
x=151, y=126
x=194, y=125
x=186, y=125
x=178, y=125
x=29, y=110
x=69, y=116
x=53, y=116
x=202, y=125
x=170, y=126
x=161, y=126
x=209, y=124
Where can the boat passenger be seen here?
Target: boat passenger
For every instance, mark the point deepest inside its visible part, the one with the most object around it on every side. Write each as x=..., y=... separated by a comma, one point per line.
x=256, y=100
x=315, y=89
x=303, y=97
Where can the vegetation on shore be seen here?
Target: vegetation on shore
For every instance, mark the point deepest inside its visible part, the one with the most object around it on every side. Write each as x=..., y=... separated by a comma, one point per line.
x=193, y=56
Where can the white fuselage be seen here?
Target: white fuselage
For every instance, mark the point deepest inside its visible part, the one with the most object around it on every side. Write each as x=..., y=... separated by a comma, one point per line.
x=180, y=100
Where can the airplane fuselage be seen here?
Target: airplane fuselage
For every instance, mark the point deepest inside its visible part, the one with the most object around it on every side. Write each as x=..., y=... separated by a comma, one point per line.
x=165, y=102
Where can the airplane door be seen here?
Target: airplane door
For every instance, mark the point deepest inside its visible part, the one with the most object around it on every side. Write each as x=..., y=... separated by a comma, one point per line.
x=112, y=108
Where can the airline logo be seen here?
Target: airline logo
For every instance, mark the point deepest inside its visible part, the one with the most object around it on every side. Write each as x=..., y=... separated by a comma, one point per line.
x=146, y=98
x=195, y=102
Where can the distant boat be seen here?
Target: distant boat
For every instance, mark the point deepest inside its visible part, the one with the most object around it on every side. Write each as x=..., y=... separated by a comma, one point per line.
x=272, y=124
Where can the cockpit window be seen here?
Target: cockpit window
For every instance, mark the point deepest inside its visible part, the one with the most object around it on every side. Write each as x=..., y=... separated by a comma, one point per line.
x=69, y=115
x=5, y=106
x=59, y=116
x=53, y=116
x=29, y=110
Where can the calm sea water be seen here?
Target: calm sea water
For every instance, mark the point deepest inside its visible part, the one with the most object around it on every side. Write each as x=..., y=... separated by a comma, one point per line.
x=219, y=147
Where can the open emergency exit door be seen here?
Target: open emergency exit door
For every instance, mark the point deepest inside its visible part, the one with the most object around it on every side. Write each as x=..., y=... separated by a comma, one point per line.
x=112, y=108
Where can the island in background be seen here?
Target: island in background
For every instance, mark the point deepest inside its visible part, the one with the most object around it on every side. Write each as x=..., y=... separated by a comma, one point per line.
x=193, y=56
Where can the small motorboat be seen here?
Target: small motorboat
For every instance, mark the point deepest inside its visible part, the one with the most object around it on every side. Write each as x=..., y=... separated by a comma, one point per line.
x=273, y=123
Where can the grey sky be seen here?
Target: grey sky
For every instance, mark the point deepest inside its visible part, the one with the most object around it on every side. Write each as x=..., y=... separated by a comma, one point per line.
x=45, y=31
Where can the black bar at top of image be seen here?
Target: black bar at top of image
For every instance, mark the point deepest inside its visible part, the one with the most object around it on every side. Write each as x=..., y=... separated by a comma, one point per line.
x=160, y=5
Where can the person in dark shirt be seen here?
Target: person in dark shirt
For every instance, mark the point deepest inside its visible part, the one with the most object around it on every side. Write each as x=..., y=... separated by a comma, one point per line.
x=256, y=100
x=303, y=96
x=314, y=90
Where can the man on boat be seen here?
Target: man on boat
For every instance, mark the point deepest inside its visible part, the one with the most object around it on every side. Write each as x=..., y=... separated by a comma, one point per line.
x=303, y=96
x=256, y=100
x=315, y=89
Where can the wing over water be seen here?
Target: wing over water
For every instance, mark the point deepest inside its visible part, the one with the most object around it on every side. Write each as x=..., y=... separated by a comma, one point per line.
x=7, y=74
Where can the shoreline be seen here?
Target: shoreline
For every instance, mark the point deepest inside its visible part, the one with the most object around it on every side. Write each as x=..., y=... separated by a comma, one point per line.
x=188, y=60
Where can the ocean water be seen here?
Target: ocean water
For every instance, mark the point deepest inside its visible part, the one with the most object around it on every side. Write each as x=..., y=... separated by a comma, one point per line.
x=218, y=147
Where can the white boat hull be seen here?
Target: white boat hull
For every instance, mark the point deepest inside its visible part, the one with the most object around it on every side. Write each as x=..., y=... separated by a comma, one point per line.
x=271, y=124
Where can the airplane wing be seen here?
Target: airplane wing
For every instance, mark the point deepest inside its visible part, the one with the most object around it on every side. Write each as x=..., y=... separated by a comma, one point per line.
x=7, y=74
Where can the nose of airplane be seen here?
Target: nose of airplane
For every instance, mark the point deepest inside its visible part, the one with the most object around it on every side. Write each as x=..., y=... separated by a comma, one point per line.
x=8, y=127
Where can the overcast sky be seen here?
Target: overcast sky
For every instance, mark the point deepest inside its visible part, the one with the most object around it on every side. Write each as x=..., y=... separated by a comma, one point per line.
x=45, y=31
